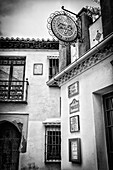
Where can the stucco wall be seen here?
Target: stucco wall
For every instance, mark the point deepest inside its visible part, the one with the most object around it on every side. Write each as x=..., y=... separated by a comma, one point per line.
x=92, y=80
x=43, y=103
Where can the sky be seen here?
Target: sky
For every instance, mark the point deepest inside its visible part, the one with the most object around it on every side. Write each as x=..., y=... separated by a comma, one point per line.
x=28, y=18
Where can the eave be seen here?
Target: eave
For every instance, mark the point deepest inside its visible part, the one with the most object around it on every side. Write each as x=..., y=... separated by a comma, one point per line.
x=52, y=121
x=17, y=43
x=92, y=57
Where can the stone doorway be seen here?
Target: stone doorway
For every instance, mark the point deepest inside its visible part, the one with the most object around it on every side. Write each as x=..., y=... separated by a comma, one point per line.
x=10, y=139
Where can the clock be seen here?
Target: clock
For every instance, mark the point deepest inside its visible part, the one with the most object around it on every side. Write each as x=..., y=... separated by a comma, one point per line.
x=64, y=27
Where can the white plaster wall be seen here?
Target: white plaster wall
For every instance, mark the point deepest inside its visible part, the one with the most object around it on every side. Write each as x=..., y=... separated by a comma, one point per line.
x=43, y=103
x=96, y=78
x=41, y=98
x=35, y=145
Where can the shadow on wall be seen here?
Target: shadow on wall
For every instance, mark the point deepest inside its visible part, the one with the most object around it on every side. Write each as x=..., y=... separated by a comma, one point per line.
x=30, y=166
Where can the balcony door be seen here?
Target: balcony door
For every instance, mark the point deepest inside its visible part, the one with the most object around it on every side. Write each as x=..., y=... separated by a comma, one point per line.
x=10, y=139
x=12, y=72
x=108, y=110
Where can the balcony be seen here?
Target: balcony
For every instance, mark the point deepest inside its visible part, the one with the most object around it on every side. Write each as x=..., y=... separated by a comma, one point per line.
x=14, y=91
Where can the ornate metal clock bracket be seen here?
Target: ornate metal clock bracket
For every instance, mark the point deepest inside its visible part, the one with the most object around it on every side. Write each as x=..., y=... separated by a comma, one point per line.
x=64, y=27
x=69, y=11
x=78, y=17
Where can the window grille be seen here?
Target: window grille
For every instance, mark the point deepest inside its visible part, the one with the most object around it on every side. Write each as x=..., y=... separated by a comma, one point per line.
x=53, y=67
x=52, y=144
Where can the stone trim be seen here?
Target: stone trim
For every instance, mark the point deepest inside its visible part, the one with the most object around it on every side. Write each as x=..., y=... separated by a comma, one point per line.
x=21, y=122
x=52, y=122
x=11, y=43
x=52, y=57
x=83, y=65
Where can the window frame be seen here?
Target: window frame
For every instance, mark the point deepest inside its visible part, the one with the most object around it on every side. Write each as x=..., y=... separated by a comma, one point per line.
x=13, y=61
x=52, y=128
x=108, y=118
x=53, y=63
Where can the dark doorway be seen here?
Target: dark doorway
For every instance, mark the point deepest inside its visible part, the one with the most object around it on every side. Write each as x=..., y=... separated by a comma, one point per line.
x=10, y=138
x=108, y=110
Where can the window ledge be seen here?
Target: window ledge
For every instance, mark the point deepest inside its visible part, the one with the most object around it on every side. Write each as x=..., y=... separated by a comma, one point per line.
x=13, y=101
x=52, y=161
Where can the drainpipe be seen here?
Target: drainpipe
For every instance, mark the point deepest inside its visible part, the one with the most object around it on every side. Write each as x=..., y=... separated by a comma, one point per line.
x=90, y=52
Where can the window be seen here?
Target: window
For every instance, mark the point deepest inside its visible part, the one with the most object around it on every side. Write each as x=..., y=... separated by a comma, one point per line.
x=52, y=144
x=53, y=67
x=12, y=72
x=108, y=110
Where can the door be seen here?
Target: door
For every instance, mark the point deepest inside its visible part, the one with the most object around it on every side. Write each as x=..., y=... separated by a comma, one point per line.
x=10, y=139
x=108, y=110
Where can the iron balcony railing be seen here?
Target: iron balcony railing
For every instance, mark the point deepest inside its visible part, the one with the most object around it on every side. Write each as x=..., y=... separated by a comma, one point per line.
x=13, y=91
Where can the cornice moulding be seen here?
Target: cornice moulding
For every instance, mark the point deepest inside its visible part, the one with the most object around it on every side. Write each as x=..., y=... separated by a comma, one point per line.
x=89, y=59
x=17, y=43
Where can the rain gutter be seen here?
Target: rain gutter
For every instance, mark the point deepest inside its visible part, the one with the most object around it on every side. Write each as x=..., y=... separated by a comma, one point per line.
x=72, y=65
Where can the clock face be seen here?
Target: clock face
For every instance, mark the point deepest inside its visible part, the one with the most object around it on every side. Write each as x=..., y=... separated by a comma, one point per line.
x=64, y=27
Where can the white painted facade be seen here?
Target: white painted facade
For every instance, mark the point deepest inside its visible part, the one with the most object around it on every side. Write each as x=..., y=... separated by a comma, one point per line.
x=94, y=72
x=93, y=83
x=43, y=102
x=95, y=76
